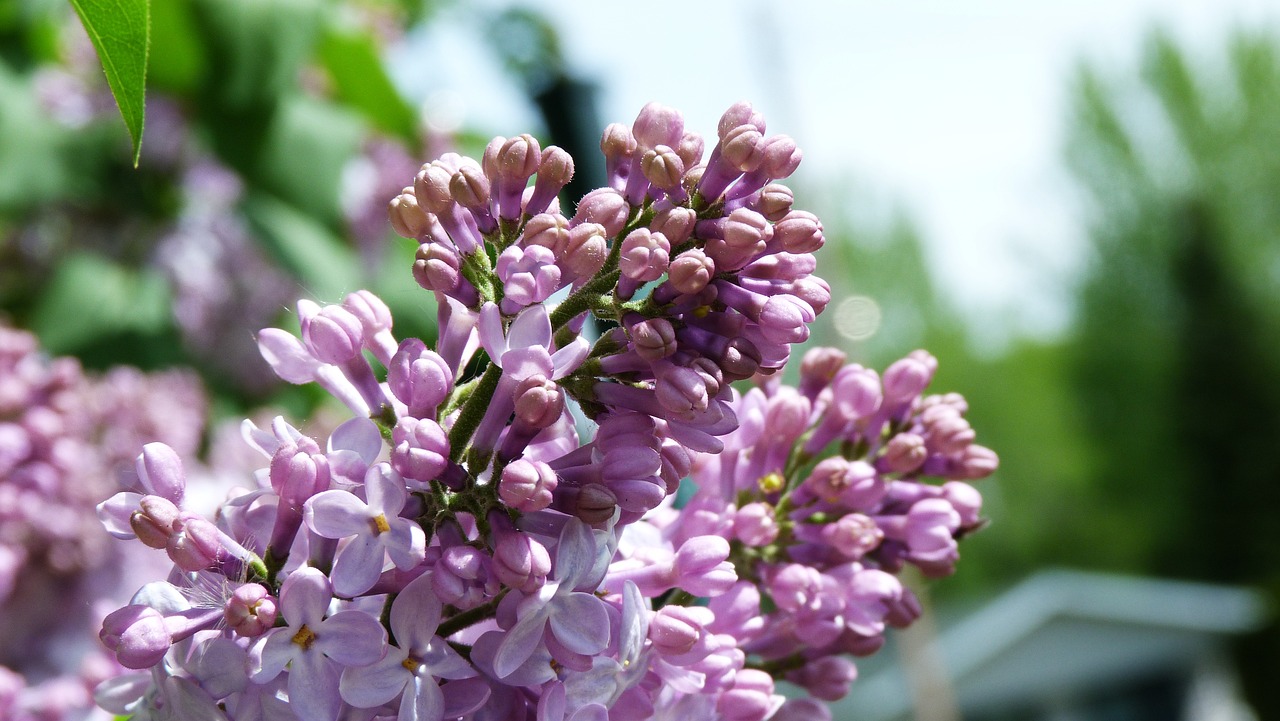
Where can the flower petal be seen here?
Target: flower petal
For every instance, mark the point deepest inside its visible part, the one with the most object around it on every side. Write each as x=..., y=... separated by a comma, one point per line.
x=491, y=336
x=268, y=657
x=360, y=435
x=358, y=565
x=422, y=701
x=189, y=701
x=576, y=553
x=379, y=683
x=384, y=489
x=406, y=543
x=443, y=662
x=581, y=623
x=415, y=614
x=313, y=688
x=352, y=638
x=531, y=328
x=115, y=512
x=567, y=359
x=464, y=697
x=117, y=694
x=305, y=596
x=287, y=356
x=520, y=642
x=338, y=514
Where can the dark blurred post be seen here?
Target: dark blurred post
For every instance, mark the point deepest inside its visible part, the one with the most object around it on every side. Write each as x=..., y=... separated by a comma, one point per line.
x=530, y=48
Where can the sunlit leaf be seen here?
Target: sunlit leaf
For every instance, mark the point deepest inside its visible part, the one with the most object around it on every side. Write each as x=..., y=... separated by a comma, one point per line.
x=361, y=81
x=121, y=33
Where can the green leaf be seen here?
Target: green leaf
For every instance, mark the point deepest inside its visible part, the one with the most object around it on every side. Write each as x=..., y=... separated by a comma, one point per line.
x=91, y=297
x=360, y=80
x=121, y=33
x=326, y=267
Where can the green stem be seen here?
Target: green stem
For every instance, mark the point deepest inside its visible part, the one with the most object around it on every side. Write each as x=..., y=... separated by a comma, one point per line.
x=471, y=617
x=472, y=411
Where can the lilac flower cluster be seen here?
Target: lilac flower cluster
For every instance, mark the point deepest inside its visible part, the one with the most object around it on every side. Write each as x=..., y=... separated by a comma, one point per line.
x=456, y=550
x=65, y=438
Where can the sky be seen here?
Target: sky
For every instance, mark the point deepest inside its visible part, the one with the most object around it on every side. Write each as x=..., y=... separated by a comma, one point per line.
x=954, y=111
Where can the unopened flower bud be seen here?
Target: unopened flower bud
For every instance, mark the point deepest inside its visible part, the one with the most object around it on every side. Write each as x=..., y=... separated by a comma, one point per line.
x=740, y=113
x=754, y=524
x=741, y=148
x=437, y=267
x=333, y=335
x=691, y=271
x=905, y=453
x=675, y=629
x=691, y=148
x=676, y=224
x=538, y=401
x=469, y=187
x=196, y=544
x=549, y=230
x=431, y=187
x=419, y=377
x=407, y=218
x=658, y=124
x=586, y=250
x=644, y=255
x=251, y=610
x=654, y=338
x=153, y=522
x=775, y=202
x=663, y=167
x=137, y=635
x=420, y=449
x=521, y=562
x=781, y=156
x=800, y=232
x=596, y=503
x=605, y=206
x=160, y=469
x=527, y=485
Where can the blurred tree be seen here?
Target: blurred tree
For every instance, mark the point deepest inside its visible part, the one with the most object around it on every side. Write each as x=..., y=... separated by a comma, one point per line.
x=1176, y=370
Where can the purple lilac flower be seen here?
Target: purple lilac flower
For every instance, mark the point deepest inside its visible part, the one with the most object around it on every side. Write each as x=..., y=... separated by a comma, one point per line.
x=489, y=561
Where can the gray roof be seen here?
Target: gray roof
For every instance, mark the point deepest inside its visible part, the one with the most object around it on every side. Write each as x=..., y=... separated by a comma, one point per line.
x=1062, y=632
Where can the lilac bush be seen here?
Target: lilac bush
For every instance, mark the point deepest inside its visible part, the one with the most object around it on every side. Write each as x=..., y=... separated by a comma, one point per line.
x=67, y=438
x=463, y=547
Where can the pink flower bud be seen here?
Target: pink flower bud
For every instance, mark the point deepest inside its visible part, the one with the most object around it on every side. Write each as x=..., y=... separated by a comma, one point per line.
x=420, y=449
x=431, y=187
x=853, y=536
x=251, y=610
x=160, y=469
x=654, y=339
x=333, y=335
x=674, y=630
x=596, y=503
x=827, y=678
x=538, y=401
x=469, y=187
x=691, y=271
x=586, y=250
x=775, y=202
x=419, y=377
x=800, y=232
x=521, y=562
x=408, y=219
x=437, y=267
x=741, y=148
x=691, y=148
x=604, y=206
x=676, y=224
x=754, y=524
x=153, y=522
x=137, y=635
x=751, y=698
x=658, y=124
x=549, y=230
x=904, y=453
x=663, y=167
x=196, y=544
x=527, y=485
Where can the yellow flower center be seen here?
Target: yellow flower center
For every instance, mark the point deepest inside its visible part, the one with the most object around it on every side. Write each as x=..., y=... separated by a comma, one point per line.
x=772, y=482
x=304, y=637
x=380, y=524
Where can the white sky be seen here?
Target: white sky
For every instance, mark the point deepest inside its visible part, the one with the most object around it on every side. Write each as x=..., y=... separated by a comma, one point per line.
x=953, y=109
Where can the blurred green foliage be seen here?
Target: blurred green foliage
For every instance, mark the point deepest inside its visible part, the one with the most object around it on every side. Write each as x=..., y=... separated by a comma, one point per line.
x=286, y=93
